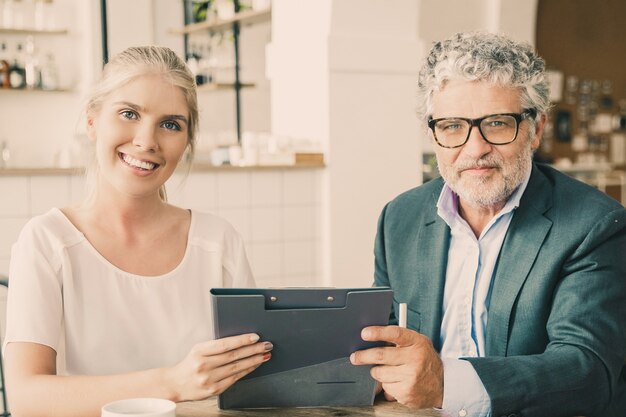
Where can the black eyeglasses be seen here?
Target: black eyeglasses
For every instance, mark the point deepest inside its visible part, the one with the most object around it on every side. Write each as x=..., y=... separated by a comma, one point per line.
x=496, y=129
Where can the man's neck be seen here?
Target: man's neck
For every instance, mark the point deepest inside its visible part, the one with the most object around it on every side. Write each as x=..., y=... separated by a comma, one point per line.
x=477, y=217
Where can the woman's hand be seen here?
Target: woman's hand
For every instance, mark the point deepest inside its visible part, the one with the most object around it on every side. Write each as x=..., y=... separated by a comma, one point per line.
x=211, y=367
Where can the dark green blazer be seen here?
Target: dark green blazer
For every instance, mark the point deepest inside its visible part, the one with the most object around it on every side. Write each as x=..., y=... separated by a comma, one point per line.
x=556, y=329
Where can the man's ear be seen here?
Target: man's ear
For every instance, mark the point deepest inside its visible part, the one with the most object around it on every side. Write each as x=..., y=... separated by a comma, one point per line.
x=540, y=124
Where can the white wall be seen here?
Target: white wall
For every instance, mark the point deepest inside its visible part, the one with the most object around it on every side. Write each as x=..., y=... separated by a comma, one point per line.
x=297, y=67
x=373, y=148
x=343, y=73
x=130, y=23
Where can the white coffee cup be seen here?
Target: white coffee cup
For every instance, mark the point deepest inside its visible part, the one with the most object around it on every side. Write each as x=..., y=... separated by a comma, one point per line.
x=140, y=407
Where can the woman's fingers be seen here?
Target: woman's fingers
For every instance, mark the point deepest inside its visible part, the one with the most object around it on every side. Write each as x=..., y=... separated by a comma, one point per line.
x=237, y=354
x=245, y=365
x=213, y=366
x=226, y=344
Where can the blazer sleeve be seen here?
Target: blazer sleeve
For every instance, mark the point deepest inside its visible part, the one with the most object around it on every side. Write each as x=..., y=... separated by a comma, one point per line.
x=381, y=277
x=580, y=372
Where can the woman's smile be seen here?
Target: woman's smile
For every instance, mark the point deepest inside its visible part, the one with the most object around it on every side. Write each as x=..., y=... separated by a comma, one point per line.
x=137, y=163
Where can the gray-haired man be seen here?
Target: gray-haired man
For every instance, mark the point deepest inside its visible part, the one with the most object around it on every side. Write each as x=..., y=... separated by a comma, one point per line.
x=513, y=273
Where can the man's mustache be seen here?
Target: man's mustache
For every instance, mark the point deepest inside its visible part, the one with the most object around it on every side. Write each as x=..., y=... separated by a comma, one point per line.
x=486, y=162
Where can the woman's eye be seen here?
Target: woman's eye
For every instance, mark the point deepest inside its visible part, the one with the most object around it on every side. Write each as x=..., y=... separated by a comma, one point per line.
x=128, y=114
x=169, y=125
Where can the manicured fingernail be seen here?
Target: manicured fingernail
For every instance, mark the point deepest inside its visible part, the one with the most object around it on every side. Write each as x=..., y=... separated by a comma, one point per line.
x=267, y=356
x=365, y=333
x=352, y=358
x=268, y=346
x=254, y=338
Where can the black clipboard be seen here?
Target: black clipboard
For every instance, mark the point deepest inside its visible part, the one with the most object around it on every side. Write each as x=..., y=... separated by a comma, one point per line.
x=314, y=331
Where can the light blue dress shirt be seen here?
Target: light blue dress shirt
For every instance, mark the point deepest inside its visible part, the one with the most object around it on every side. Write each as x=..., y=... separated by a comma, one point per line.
x=470, y=269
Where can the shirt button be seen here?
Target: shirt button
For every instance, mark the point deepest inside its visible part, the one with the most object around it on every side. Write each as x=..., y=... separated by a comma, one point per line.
x=466, y=300
x=462, y=412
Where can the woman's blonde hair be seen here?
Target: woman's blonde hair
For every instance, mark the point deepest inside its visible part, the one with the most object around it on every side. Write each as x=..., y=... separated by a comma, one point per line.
x=139, y=61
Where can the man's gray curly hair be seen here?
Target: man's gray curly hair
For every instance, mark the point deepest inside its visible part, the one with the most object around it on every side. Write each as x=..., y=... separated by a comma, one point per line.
x=482, y=56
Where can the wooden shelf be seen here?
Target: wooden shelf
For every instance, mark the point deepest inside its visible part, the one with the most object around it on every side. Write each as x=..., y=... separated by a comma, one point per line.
x=244, y=18
x=27, y=171
x=222, y=86
x=35, y=90
x=195, y=167
x=33, y=31
x=203, y=167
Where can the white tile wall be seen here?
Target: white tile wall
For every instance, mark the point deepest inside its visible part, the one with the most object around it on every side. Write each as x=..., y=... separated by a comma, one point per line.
x=299, y=258
x=48, y=191
x=233, y=189
x=266, y=224
x=276, y=211
x=197, y=190
x=266, y=188
x=10, y=227
x=266, y=260
x=15, y=196
x=298, y=222
x=300, y=188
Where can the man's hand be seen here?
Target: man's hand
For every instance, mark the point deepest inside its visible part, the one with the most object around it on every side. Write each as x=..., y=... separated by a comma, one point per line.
x=410, y=372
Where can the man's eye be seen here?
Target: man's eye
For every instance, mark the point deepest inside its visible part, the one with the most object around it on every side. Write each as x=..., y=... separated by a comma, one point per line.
x=169, y=125
x=450, y=126
x=500, y=122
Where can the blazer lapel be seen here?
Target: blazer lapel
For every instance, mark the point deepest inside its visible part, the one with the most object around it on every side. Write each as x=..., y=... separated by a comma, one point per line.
x=521, y=245
x=432, y=254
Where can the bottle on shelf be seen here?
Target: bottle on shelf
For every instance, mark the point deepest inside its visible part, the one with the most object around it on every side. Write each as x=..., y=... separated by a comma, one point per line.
x=49, y=74
x=205, y=63
x=192, y=63
x=31, y=65
x=619, y=120
x=4, y=67
x=194, y=60
x=5, y=154
x=17, y=73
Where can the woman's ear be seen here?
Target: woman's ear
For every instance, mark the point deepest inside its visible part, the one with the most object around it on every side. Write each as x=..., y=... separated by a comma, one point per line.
x=91, y=128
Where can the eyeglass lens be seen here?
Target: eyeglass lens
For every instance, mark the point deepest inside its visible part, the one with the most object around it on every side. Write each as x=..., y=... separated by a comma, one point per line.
x=496, y=129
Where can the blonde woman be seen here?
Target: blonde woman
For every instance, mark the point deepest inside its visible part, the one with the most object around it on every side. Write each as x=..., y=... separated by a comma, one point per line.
x=110, y=299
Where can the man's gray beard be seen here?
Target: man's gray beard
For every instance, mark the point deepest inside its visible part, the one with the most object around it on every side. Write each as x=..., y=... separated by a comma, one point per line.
x=477, y=194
